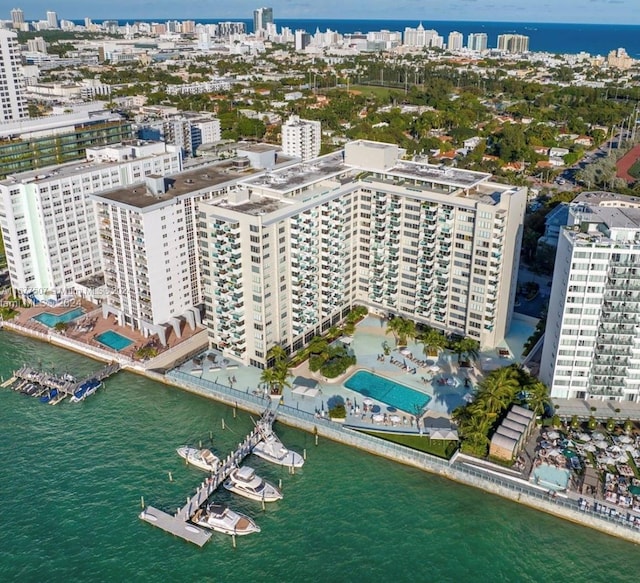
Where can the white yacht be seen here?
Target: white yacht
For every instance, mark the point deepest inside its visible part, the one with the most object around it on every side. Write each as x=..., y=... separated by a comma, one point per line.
x=200, y=458
x=222, y=519
x=272, y=450
x=244, y=482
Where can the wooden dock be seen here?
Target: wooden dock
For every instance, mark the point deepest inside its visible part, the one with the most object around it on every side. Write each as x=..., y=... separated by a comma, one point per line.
x=177, y=524
x=65, y=385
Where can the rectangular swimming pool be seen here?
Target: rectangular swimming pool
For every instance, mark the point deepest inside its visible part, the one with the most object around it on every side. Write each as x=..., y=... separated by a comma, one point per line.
x=551, y=477
x=114, y=340
x=387, y=391
x=50, y=320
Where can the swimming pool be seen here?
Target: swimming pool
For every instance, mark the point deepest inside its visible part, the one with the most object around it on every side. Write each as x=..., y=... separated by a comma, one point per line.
x=114, y=340
x=50, y=320
x=551, y=477
x=387, y=391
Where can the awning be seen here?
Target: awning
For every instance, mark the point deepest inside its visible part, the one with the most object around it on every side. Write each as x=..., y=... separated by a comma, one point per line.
x=305, y=382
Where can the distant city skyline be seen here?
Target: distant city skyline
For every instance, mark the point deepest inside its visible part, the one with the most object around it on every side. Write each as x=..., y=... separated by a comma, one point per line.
x=542, y=11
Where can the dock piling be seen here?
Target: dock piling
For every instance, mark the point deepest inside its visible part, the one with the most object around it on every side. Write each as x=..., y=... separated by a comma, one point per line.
x=223, y=423
x=141, y=501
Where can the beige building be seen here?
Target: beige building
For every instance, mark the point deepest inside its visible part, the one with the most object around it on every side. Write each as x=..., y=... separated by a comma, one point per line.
x=289, y=252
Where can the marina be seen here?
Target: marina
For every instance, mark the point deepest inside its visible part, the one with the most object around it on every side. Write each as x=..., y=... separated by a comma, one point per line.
x=179, y=523
x=51, y=388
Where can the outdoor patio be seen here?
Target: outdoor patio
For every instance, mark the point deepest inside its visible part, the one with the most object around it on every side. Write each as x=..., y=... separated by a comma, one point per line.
x=441, y=379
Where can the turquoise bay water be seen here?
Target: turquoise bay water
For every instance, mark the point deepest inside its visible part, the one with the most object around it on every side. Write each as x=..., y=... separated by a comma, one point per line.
x=387, y=391
x=71, y=478
x=114, y=340
x=50, y=320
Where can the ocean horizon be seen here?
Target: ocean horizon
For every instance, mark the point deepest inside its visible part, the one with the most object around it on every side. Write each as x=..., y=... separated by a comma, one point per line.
x=563, y=38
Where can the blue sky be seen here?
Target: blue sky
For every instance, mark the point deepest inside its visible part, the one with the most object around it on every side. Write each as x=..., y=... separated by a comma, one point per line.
x=586, y=11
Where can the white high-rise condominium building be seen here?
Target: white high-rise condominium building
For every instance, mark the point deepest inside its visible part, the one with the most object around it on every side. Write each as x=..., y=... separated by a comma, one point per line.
x=48, y=222
x=261, y=18
x=455, y=41
x=513, y=43
x=17, y=18
x=592, y=339
x=477, y=41
x=419, y=37
x=191, y=132
x=289, y=252
x=301, y=138
x=52, y=19
x=149, y=245
x=13, y=102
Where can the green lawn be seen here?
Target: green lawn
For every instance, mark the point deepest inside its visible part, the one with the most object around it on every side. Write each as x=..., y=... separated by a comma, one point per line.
x=437, y=447
x=635, y=169
x=373, y=91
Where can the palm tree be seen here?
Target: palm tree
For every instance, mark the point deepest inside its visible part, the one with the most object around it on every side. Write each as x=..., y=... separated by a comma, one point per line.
x=537, y=397
x=498, y=390
x=277, y=353
x=467, y=347
x=402, y=329
x=268, y=377
x=433, y=342
x=475, y=433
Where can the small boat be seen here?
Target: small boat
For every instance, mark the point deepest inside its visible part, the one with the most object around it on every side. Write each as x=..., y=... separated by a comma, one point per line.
x=244, y=482
x=272, y=450
x=200, y=458
x=52, y=394
x=30, y=390
x=85, y=389
x=222, y=519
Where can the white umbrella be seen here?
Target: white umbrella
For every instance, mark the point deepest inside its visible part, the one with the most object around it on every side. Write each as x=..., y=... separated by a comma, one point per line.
x=607, y=460
x=378, y=418
x=553, y=435
x=434, y=368
x=629, y=447
x=590, y=447
x=367, y=401
x=394, y=419
x=614, y=449
x=625, y=439
x=597, y=436
x=584, y=437
x=623, y=458
x=602, y=444
x=405, y=352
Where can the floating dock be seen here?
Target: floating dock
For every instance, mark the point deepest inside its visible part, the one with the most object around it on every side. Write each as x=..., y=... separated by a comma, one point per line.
x=177, y=524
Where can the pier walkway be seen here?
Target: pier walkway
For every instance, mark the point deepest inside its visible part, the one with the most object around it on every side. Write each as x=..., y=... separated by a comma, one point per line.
x=177, y=524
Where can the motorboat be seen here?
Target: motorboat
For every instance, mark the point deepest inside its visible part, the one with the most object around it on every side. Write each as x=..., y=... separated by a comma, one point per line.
x=202, y=459
x=244, y=482
x=222, y=519
x=272, y=450
x=86, y=389
x=52, y=394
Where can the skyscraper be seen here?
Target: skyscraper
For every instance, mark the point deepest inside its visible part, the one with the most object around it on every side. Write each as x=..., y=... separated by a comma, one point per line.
x=52, y=19
x=262, y=17
x=477, y=41
x=454, y=42
x=513, y=43
x=592, y=339
x=290, y=252
x=13, y=103
x=17, y=18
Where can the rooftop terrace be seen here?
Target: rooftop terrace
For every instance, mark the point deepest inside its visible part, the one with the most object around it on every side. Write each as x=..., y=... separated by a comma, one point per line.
x=178, y=185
